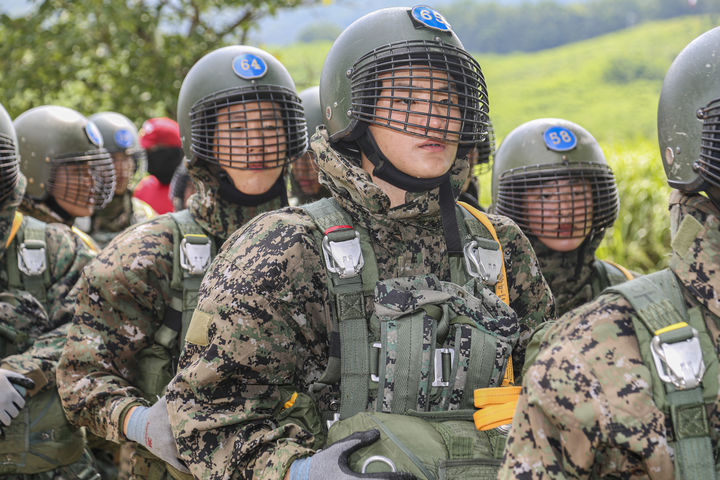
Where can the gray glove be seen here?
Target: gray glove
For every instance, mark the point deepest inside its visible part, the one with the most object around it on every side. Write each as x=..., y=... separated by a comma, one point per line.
x=12, y=392
x=150, y=427
x=333, y=462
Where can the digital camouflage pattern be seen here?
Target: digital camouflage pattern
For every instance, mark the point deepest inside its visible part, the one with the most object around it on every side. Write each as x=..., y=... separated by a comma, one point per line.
x=122, y=211
x=32, y=335
x=123, y=297
x=573, y=277
x=587, y=409
x=260, y=332
x=40, y=210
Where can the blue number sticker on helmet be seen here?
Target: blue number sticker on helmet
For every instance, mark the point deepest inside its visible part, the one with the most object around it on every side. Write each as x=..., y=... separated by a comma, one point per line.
x=430, y=18
x=93, y=134
x=560, y=139
x=123, y=138
x=249, y=66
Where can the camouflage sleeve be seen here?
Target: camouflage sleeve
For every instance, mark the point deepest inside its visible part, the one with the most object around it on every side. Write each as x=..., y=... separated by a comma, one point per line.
x=121, y=300
x=530, y=295
x=68, y=255
x=586, y=409
x=258, y=334
x=39, y=362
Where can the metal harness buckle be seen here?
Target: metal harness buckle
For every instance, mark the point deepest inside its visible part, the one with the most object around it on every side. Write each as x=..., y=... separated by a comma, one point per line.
x=438, y=380
x=679, y=363
x=483, y=263
x=31, y=258
x=195, y=254
x=345, y=257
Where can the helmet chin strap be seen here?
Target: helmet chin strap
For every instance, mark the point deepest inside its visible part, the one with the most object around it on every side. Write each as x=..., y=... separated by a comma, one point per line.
x=385, y=170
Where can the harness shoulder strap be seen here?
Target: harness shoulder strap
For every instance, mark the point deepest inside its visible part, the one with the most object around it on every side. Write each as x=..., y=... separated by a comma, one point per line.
x=611, y=274
x=193, y=252
x=679, y=353
x=28, y=260
x=86, y=239
x=352, y=272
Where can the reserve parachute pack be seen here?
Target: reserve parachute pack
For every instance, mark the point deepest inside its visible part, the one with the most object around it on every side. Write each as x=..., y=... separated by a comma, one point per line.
x=40, y=438
x=678, y=351
x=411, y=367
x=193, y=252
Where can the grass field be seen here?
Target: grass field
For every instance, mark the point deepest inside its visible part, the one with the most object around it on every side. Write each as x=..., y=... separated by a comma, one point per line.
x=609, y=85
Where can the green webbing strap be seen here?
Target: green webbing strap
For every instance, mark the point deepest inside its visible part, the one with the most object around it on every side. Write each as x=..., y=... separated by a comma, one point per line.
x=184, y=285
x=32, y=235
x=349, y=312
x=659, y=303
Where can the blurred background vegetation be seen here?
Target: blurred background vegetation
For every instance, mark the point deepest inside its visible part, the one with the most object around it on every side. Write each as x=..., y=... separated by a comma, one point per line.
x=599, y=63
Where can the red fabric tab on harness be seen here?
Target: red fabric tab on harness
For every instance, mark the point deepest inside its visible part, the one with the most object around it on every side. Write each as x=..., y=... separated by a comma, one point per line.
x=338, y=227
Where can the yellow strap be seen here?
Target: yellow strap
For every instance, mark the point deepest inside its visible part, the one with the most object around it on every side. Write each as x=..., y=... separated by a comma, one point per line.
x=17, y=221
x=670, y=328
x=291, y=402
x=628, y=274
x=501, y=287
x=87, y=240
x=495, y=415
x=485, y=397
x=147, y=210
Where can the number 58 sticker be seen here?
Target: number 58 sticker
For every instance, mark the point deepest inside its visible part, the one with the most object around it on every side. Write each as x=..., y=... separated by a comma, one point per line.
x=430, y=18
x=559, y=139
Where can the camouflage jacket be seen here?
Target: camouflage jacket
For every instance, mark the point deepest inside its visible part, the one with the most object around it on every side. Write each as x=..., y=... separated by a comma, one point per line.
x=122, y=299
x=122, y=211
x=263, y=318
x=587, y=409
x=24, y=316
x=41, y=211
x=573, y=277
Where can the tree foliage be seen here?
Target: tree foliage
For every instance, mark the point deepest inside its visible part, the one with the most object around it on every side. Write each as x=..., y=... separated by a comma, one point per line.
x=128, y=56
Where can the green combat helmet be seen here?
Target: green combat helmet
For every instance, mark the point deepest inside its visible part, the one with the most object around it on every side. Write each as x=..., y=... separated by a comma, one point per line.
x=9, y=163
x=689, y=118
x=51, y=137
x=545, y=156
x=231, y=76
x=120, y=135
x=310, y=98
x=379, y=43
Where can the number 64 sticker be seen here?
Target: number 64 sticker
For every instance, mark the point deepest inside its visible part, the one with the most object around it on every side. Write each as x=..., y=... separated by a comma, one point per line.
x=430, y=18
x=249, y=66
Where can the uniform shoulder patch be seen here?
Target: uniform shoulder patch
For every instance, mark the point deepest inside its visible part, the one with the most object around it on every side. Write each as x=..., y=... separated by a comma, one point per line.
x=197, y=332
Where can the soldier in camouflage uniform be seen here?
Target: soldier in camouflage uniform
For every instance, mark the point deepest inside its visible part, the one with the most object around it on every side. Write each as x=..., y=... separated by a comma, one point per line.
x=121, y=140
x=37, y=443
x=80, y=177
x=304, y=184
x=241, y=123
x=615, y=393
x=265, y=328
x=550, y=176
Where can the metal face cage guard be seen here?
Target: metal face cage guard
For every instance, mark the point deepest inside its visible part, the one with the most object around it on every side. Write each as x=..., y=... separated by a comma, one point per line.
x=559, y=201
x=708, y=165
x=9, y=168
x=249, y=128
x=83, y=179
x=423, y=88
x=124, y=169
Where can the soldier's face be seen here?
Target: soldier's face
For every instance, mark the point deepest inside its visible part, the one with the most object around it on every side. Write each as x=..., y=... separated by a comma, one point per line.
x=73, y=189
x=251, y=144
x=305, y=172
x=428, y=111
x=123, y=170
x=559, y=213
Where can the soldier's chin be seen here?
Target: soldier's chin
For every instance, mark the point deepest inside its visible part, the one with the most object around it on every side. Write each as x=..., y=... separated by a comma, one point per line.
x=562, y=244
